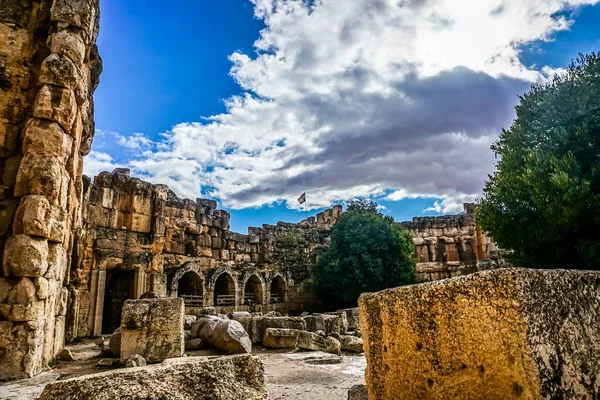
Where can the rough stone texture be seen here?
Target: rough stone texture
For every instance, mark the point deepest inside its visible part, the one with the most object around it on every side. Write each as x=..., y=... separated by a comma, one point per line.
x=136, y=231
x=281, y=338
x=152, y=328
x=312, y=341
x=49, y=68
x=226, y=335
x=351, y=344
x=358, y=392
x=114, y=343
x=225, y=378
x=506, y=333
x=452, y=245
x=194, y=344
x=135, y=361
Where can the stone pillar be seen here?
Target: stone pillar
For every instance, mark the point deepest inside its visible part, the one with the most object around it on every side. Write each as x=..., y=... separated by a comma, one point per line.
x=49, y=68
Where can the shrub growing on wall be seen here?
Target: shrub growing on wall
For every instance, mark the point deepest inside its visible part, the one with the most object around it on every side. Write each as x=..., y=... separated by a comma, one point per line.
x=369, y=252
x=543, y=201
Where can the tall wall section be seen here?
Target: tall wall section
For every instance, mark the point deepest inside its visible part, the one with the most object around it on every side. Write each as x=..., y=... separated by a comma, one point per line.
x=49, y=68
x=138, y=237
x=452, y=245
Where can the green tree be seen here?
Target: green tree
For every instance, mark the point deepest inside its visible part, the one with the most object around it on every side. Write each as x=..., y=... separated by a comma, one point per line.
x=543, y=201
x=369, y=252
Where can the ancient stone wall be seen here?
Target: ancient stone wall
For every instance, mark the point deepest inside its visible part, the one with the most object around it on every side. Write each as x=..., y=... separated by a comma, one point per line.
x=452, y=245
x=139, y=237
x=49, y=68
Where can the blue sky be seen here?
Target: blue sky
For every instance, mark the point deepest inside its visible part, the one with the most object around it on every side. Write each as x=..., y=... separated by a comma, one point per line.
x=339, y=104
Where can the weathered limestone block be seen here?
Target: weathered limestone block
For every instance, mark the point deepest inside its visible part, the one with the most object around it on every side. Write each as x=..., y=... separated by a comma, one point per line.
x=56, y=104
x=351, y=344
x=47, y=138
x=31, y=216
x=352, y=318
x=506, y=333
x=328, y=323
x=25, y=255
x=152, y=328
x=59, y=70
x=40, y=175
x=233, y=377
x=66, y=43
x=281, y=338
x=223, y=334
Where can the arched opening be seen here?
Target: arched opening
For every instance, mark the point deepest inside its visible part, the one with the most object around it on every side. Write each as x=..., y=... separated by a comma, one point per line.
x=190, y=288
x=224, y=291
x=278, y=290
x=253, y=292
x=119, y=287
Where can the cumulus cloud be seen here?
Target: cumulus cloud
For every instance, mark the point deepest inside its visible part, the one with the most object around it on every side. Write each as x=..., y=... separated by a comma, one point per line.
x=354, y=100
x=97, y=161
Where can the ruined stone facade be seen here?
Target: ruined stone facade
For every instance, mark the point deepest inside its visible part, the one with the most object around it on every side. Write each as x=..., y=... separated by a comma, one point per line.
x=138, y=237
x=452, y=245
x=49, y=68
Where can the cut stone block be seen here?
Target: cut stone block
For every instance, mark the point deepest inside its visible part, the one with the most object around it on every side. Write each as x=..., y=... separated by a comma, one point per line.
x=232, y=377
x=152, y=328
x=506, y=333
x=280, y=338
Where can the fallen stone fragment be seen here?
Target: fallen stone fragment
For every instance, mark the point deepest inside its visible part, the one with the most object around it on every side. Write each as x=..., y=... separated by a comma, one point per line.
x=194, y=344
x=65, y=355
x=114, y=343
x=109, y=363
x=152, y=328
x=351, y=344
x=230, y=337
x=189, y=321
x=312, y=341
x=498, y=334
x=224, y=378
x=135, y=361
x=99, y=341
x=358, y=392
x=280, y=338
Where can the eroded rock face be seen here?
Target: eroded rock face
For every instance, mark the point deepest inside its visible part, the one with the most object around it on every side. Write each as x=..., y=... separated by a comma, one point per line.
x=225, y=378
x=152, y=328
x=49, y=68
x=507, y=333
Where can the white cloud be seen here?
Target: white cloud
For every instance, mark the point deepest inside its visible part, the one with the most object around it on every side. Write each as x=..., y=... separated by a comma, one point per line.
x=96, y=162
x=353, y=100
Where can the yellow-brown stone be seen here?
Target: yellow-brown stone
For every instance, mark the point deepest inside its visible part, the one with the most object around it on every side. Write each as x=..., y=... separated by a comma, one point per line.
x=507, y=333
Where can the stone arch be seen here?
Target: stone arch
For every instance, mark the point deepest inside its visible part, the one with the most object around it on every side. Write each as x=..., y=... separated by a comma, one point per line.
x=185, y=268
x=278, y=288
x=254, y=286
x=223, y=283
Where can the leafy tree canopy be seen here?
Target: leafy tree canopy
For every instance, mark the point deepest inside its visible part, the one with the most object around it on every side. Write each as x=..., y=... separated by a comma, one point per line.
x=543, y=201
x=369, y=252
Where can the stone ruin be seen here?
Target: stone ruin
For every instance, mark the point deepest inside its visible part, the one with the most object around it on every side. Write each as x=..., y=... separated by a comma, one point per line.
x=49, y=68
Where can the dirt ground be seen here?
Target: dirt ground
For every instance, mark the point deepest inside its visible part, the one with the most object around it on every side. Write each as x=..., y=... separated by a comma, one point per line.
x=288, y=375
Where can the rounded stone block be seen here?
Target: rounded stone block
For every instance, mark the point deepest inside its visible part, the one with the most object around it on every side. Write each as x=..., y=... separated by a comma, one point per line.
x=67, y=44
x=31, y=216
x=43, y=137
x=56, y=104
x=60, y=71
x=25, y=255
x=40, y=175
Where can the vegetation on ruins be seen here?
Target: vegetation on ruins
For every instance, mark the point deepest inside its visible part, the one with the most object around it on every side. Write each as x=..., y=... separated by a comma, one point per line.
x=543, y=201
x=369, y=252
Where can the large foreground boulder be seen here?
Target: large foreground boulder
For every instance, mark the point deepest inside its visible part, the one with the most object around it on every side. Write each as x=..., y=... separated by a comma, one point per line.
x=152, y=328
x=223, y=334
x=506, y=333
x=225, y=378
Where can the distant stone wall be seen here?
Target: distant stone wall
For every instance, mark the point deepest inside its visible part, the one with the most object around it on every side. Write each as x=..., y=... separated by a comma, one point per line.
x=452, y=245
x=49, y=68
x=139, y=237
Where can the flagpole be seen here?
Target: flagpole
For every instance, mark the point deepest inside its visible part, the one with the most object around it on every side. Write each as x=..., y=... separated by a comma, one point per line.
x=305, y=210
